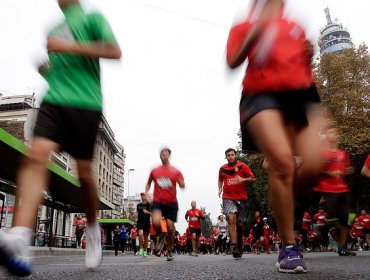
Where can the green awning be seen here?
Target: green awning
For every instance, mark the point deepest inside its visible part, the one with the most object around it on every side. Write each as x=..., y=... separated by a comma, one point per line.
x=115, y=221
x=63, y=188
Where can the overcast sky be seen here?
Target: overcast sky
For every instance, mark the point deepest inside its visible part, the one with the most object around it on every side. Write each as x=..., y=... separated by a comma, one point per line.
x=172, y=86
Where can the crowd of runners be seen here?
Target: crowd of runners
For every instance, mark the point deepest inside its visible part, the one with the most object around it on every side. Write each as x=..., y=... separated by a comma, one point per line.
x=280, y=116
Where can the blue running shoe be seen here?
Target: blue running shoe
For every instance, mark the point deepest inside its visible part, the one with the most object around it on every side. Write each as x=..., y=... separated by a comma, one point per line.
x=280, y=257
x=14, y=255
x=290, y=260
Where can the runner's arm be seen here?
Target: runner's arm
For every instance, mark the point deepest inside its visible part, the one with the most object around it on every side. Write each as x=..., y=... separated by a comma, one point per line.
x=365, y=171
x=91, y=49
x=220, y=188
x=268, y=12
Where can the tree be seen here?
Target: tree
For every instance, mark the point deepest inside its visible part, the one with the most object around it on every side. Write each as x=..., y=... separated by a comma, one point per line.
x=206, y=225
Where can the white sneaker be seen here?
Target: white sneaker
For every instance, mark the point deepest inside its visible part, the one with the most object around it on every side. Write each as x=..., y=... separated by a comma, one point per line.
x=15, y=254
x=94, y=253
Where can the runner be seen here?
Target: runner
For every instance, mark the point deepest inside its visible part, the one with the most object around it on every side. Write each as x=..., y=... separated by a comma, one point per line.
x=133, y=237
x=193, y=217
x=335, y=194
x=279, y=110
x=68, y=120
x=364, y=218
x=165, y=178
x=232, y=180
x=221, y=227
x=257, y=230
x=143, y=224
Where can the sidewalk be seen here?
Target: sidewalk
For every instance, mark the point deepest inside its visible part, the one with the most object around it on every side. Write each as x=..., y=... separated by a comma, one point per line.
x=55, y=251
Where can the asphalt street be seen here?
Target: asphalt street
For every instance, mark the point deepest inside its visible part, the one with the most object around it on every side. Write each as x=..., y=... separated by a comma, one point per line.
x=251, y=266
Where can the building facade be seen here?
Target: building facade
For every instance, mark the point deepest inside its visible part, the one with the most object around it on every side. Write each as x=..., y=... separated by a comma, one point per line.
x=17, y=117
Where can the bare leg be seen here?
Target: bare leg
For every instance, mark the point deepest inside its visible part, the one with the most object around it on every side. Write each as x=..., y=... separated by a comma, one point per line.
x=273, y=139
x=194, y=243
x=308, y=144
x=89, y=190
x=32, y=179
x=231, y=221
x=170, y=234
x=156, y=219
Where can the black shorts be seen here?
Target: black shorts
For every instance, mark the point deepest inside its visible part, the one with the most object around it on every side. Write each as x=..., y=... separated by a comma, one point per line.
x=73, y=129
x=169, y=211
x=196, y=231
x=144, y=226
x=340, y=206
x=294, y=104
x=366, y=231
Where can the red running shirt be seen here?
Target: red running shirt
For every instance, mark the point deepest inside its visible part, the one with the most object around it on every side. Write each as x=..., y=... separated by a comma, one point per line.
x=337, y=160
x=306, y=221
x=365, y=220
x=277, y=57
x=165, y=178
x=320, y=218
x=228, y=175
x=193, y=216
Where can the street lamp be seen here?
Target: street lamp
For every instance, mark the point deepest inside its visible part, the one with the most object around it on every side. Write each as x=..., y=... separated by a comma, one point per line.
x=128, y=183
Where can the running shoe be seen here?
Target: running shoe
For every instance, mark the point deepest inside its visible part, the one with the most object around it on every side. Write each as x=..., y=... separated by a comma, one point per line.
x=290, y=261
x=345, y=253
x=94, y=252
x=141, y=252
x=145, y=254
x=169, y=256
x=236, y=253
x=161, y=241
x=14, y=255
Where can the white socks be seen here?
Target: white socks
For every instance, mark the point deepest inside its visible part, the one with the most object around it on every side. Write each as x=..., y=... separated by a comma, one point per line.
x=23, y=232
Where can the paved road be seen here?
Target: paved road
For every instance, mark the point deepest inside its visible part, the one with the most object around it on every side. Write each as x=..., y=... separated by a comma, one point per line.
x=321, y=266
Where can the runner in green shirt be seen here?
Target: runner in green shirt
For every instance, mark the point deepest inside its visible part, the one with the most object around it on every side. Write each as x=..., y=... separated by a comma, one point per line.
x=68, y=120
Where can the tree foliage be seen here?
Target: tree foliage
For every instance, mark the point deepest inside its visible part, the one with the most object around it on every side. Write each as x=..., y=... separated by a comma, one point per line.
x=344, y=85
x=206, y=225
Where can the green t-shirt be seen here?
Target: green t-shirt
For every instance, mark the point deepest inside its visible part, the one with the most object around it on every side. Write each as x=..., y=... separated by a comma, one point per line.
x=74, y=80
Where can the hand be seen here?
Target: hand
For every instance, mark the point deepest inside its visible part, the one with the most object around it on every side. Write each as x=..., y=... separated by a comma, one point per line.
x=334, y=173
x=308, y=49
x=57, y=45
x=239, y=179
x=219, y=192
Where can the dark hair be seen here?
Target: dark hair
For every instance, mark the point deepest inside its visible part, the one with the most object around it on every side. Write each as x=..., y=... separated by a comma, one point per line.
x=230, y=150
x=166, y=149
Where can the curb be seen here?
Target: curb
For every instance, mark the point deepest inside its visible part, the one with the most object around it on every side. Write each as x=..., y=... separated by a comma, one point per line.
x=53, y=251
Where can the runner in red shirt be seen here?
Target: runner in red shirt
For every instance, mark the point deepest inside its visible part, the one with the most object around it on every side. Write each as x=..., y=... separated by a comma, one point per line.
x=232, y=179
x=193, y=217
x=364, y=218
x=266, y=235
x=365, y=171
x=279, y=109
x=336, y=196
x=306, y=222
x=320, y=217
x=357, y=234
x=165, y=178
x=80, y=224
